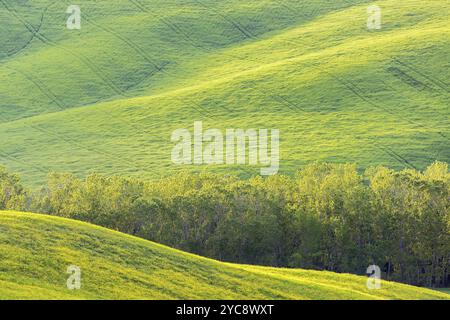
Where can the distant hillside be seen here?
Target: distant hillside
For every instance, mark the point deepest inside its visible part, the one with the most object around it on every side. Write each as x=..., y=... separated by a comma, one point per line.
x=108, y=96
x=35, y=251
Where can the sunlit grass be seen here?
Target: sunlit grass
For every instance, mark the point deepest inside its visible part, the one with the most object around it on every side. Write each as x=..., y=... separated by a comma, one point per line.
x=92, y=100
x=35, y=251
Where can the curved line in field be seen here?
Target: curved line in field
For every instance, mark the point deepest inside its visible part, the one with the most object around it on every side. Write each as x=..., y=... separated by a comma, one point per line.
x=82, y=59
x=16, y=159
x=38, y=84
x=28, y=43
x=235, y=24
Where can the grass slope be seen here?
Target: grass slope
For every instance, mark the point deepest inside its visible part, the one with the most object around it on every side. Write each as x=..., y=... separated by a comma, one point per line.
x=35, y=251
x=108, y=96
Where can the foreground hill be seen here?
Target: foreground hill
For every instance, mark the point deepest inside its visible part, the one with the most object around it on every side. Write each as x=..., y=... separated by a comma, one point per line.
x=107, y=97
x=35, y=251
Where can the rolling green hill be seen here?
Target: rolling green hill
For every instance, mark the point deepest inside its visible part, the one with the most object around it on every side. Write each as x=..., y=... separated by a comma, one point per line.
x=107, y=97
x=35, y=251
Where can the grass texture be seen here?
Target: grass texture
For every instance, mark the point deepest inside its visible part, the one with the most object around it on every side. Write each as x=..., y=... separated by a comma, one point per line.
x=106, y=98
x=35, y=251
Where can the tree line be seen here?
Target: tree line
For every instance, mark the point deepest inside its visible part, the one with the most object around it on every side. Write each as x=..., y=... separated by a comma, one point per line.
x=326, y=217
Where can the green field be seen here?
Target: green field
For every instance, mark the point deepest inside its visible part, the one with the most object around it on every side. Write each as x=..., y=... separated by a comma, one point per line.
x=36, y=250
x=445, y=290
x=107, y=97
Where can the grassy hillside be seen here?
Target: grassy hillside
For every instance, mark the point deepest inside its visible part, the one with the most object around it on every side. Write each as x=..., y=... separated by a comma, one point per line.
x=35, y=251
x=108, y=96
